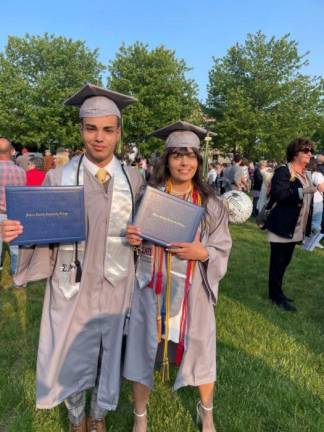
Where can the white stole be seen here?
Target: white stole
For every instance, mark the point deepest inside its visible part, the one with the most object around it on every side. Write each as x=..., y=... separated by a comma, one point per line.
x=118, y=252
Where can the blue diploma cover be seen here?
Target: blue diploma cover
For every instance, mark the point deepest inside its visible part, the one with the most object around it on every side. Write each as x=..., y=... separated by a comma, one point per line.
x=164, y=219
x=53, y=214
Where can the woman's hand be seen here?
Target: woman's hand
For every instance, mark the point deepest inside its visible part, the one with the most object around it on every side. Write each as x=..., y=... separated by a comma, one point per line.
x=320, y=187
x=10, y=229
x=194, y=251
x=133, y=235
x=309, y=189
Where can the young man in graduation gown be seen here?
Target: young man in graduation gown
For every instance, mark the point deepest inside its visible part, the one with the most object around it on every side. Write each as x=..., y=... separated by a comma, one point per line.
x=80, y=345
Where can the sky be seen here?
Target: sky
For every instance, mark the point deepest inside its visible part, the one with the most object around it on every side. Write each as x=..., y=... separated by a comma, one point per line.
x=196, y=30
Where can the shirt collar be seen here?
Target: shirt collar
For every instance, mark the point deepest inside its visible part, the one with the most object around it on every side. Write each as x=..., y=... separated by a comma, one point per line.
x=8, y=162
x=93, y=168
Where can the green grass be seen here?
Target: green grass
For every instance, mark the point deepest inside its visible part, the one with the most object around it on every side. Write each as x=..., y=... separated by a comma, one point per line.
x=270, y=362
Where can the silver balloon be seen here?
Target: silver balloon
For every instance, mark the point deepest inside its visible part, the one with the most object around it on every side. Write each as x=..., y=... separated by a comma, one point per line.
x=239, y=206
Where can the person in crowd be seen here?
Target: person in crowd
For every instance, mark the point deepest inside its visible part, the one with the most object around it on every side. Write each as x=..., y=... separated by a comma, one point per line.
x=212, y=174
x=257, y=184
x=219, y=178
x=48, y=160
x=245, y=178
x=141, y=167
x=35, y=174
x=266, y=173
x=144, y=163
x=251, y=168
x=83, y=320
x=176, y=288
x=149, y=169
x=23, y=159
x=318, y=181
x=234, y=174
x=10, y=175
x=224, y=179
x=320, y=168
x=291, y=197
x=13, y=154
x=320, y=163
x=69, y=153
x=61, y=157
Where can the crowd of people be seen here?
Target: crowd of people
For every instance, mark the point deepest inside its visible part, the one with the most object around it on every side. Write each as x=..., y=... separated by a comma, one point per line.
x=291, y=193
x=255, y=179
x=162, y=299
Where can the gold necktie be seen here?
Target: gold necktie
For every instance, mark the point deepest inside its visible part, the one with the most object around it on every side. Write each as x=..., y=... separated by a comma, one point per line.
x=102, y=175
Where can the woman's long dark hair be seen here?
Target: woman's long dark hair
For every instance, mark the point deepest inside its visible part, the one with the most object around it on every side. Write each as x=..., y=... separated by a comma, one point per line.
x=161, y=173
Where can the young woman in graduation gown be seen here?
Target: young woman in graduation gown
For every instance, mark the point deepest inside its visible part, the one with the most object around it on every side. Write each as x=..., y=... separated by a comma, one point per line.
x=173, y=316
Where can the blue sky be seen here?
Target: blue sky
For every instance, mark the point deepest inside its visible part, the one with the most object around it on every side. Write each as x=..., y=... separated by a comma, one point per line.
x=197, y=30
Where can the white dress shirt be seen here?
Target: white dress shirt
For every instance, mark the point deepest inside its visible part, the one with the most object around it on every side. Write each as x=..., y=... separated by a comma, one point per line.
x=93, y=168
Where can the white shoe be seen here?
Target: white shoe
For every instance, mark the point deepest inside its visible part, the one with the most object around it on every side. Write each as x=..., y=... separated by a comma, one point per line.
x=200, y=409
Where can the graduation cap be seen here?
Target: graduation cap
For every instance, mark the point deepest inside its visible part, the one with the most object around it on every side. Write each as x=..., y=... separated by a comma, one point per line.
x=181, y=134
x=96, y=101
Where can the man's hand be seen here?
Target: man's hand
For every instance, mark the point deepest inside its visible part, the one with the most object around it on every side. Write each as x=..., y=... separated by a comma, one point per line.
x=10, y=229
x=194, y=251
x=133, y=235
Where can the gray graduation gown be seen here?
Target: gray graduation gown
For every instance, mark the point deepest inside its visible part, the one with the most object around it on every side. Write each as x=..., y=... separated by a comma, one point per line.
x=198, y=365
x=73, y=330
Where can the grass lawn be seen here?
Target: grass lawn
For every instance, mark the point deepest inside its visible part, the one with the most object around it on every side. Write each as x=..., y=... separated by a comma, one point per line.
x=270, y=362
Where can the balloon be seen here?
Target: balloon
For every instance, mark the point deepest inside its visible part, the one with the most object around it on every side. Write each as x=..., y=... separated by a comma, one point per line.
x=239, y=206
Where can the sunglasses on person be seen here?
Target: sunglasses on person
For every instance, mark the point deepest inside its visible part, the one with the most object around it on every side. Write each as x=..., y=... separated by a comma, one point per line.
x=307, y=150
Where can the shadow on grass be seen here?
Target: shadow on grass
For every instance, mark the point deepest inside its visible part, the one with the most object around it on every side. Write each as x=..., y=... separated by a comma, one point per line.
x=251, y=396
x=20, y=313
x=246, y=282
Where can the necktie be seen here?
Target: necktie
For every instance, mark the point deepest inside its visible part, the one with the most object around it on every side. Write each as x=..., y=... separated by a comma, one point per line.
x=102, y=175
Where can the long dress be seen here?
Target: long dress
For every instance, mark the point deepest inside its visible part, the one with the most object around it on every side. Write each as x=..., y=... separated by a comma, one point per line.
x=198, y=365
x=73, y=330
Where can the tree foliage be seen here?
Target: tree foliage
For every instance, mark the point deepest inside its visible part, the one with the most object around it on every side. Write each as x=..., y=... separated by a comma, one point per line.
x=37, y=73
x=165, y=94
x=260, y=98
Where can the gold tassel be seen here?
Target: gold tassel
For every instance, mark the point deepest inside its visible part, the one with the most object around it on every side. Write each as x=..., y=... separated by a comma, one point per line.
x=165, y=363
x=159, y=328
x=165, y=370
x=159, y=319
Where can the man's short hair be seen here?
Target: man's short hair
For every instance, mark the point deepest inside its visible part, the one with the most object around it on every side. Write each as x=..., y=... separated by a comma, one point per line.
x=37, y=161
x=10, y=146
x=237, y=157
x=4, y=137
x=118, y=122
x=7, y=139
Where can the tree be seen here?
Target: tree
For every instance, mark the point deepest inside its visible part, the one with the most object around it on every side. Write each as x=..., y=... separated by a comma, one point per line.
x=260, y=98
x=37, y=73
x=318, y=136
x=158, y=79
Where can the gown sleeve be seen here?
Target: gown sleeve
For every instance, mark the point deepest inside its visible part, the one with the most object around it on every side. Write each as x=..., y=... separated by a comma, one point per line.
x=218, y=244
